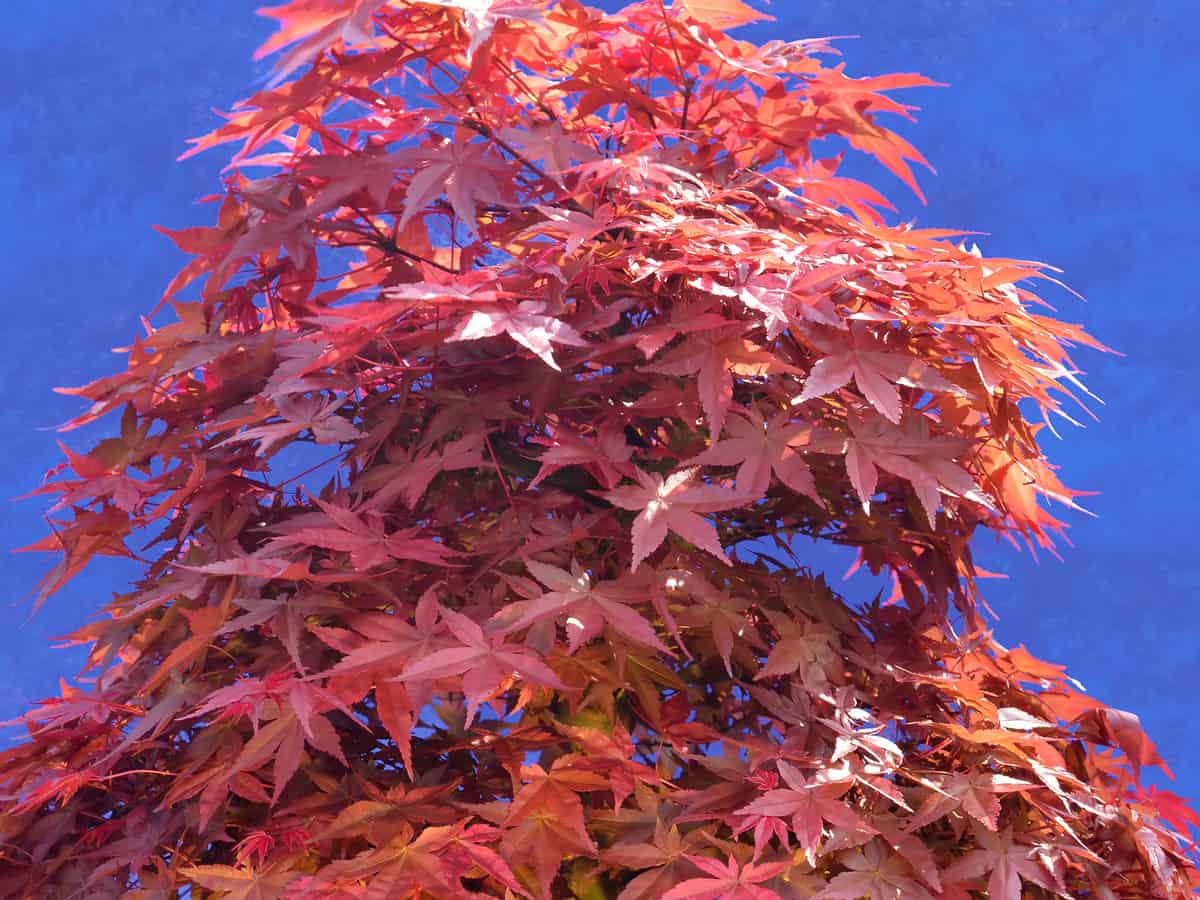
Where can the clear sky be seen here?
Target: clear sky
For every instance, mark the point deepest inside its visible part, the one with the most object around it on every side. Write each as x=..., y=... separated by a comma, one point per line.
x=1068, y=134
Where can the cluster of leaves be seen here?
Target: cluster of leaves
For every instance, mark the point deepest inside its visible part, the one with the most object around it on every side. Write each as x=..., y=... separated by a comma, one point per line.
x=593, y=341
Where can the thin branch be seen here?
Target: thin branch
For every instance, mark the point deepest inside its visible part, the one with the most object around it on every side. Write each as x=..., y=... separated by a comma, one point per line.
x=499, y=472
x=387, y=244
x=521, y=83
x=688, y=83
x=486, y=131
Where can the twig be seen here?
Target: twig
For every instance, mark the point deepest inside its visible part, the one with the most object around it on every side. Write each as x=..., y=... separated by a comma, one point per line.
x=688, y=83
x=484, y=130
x=499, y=472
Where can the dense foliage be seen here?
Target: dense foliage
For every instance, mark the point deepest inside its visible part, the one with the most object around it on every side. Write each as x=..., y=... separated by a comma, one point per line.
x=593, y=344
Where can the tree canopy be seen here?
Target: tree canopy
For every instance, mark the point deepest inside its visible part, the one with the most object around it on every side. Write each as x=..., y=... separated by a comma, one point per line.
x=477, y=470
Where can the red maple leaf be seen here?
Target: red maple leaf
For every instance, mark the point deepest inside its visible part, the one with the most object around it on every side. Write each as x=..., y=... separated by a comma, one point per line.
x=671, y=505
x=606, y=458
x=526, y=324
x=554, y=148
x=364, y=537
x=876, y=370
x=802, y=646
x=482, y=16
x=465, y=172
x=664, y=859
x=924, y=460
x=875, y=874
x=483, y=662
x=243, y=883
x=545, y=822
x=975, y=793
x=1005, y=862
x=714, y=357
x=392, y=643
x=809, y=805
x=575, y=226
x=301, y=414
x=409, y=471
x=721, y=13
x=316, y=26
x=727, y=880
x=583, y=608
x=759, y=448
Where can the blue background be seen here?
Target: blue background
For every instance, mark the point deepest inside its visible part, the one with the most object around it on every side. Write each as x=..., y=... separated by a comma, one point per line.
x=1068, y=134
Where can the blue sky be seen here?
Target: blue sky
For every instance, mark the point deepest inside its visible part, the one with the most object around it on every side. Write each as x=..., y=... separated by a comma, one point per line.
x=1067, y=134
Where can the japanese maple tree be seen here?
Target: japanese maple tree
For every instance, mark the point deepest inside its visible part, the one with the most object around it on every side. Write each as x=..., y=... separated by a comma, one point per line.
x=592, y=342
